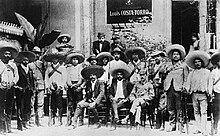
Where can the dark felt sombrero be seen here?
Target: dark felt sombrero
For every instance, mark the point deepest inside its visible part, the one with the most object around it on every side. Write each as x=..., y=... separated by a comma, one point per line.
x=8, y=46
x=120, y=66
x=174, y=47
x=215, y=58
x=205, y=57
x=138, y=50
x=59, y=39
x=76, y=54
x=92, y=69
x=52, y=54
x=30, y=55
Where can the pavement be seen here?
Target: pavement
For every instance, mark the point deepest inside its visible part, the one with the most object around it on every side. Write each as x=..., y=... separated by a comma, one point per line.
x=85, y=130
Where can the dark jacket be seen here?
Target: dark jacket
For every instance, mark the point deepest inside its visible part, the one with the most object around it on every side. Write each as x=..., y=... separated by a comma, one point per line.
x=97, y=94
x=96, y=47
x=127, y=87
x=26, y=81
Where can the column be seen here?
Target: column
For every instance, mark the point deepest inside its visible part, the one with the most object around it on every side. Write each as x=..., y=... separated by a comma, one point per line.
x=202, y=28
x=218, y=24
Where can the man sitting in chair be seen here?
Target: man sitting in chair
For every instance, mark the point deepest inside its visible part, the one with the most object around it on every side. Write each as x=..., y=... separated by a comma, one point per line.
x=120, y=87
x=141, y=95
x=94, y=92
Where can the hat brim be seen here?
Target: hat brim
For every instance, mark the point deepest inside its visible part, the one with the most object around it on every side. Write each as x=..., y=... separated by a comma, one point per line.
x=120, y=67
x=92, y=69
x=30, y=55
x=102, y=55
x=79, y=56
x=13, y=50
x=138, y=50
x=174, y=47
x=205, y=57
x=122, y=55
x=157, y=53
x=50, y=57
x=59, y=39
x=215, y=58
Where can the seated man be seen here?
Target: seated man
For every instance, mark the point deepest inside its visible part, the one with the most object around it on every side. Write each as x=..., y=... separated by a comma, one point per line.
x=94, y=92
x=141, y=95
x=120, y=87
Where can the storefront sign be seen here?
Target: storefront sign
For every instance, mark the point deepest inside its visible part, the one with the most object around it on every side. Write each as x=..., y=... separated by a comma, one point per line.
x=126, y=11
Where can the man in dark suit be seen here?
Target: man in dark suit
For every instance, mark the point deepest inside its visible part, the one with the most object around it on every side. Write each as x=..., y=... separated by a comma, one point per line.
x=120, y=88
x=25, y=88
x=94, y=92
x=101, y=45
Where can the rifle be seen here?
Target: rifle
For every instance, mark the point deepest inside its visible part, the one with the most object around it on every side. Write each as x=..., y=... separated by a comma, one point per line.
x=50, y=112
x=211, y=115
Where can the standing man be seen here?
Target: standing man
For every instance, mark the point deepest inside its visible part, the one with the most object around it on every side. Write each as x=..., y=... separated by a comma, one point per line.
x=135, y=55
x=198, y=84
x=38, y=98
x=74, y=82
x=94, y=93
x=9, y=77
x=101, y=45
x=55, y=82
x=25, y=88
x=215, y=82
x=117, y=43
x=120, y=88
x=176, y=73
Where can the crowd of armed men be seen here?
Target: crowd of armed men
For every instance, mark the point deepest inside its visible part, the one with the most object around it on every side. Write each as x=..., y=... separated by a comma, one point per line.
x=114, y=75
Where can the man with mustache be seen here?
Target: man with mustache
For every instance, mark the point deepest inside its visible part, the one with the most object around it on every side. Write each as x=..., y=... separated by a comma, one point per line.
x=94, y=89
x=8, y=78
x=175, y=73
x=198, y=85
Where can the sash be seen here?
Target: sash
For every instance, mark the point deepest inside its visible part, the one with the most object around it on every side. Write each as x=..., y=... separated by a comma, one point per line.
x=54, y=69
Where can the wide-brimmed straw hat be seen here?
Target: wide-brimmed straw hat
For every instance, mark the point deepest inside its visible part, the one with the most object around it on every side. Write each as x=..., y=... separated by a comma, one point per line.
x=190, y=58
x=52, y=54
x=138, y=50
x=215, y=58
x=30, y=55
x=120, y=66
x=174, y=47
x=59, y=39
x=102, y=55
x=157, y=53
x=92, y=69
x=76, y=54
x=8, y=46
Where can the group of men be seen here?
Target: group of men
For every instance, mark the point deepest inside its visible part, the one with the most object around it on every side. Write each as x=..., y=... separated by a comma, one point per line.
x=115, y=76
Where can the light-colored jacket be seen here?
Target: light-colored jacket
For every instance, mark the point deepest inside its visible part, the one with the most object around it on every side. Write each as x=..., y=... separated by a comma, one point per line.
x=175, y=73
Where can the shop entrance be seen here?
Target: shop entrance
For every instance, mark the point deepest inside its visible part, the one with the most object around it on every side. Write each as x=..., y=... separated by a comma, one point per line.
x=185, y=21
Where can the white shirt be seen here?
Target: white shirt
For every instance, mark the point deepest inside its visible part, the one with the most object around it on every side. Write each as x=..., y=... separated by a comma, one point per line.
x=119, y=92
x=100, y=47
x=8, y=75
x=93, y=85
x=215, y=74
x=25, y=68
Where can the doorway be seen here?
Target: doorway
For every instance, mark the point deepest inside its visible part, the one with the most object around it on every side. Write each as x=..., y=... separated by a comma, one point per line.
x=185, y=21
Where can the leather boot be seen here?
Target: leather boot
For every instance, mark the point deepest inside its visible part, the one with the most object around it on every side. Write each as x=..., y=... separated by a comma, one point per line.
x=76, y=115
x=69, y=117
x=8, y=124
x=132, y=119
x=60, y=117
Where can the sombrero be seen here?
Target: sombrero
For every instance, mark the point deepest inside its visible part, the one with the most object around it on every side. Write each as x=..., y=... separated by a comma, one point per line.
x=102, y=55
x=76, y=54
x=9, y=46
x=52, y=54
x=120, y=66
x=215, y=58
x=30, y=55
x=205, y=57
x=173, y=47
x=156, y=53
x=59, y=39
x=91, y=57
x=122, y=55
x=92, y=69
x=138, y=50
